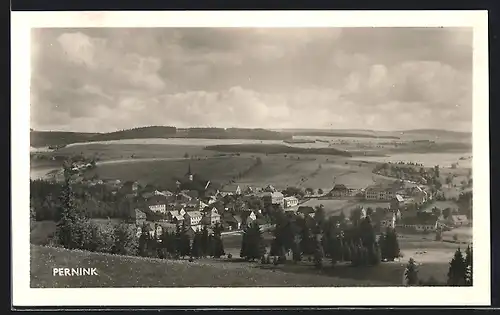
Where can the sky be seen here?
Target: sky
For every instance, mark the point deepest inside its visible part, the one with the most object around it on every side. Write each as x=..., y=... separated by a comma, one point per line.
x=107, y=79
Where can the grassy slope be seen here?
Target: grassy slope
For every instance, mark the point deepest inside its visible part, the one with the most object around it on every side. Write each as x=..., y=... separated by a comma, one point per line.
x=121, y=271
x=162, y=172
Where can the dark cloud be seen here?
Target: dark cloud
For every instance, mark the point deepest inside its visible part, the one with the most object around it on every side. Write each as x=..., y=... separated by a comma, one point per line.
x=102, y=79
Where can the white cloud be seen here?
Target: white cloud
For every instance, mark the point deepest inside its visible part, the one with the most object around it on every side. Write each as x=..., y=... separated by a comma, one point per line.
x=267, y=78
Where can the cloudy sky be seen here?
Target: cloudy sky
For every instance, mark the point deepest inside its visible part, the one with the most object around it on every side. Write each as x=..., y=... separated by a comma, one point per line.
x=105, y=79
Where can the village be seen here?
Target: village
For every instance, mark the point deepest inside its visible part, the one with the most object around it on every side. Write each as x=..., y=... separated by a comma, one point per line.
x=407, y=206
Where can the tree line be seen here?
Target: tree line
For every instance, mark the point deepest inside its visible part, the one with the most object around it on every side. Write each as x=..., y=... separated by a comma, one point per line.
x=321, y=238
x=76, y=231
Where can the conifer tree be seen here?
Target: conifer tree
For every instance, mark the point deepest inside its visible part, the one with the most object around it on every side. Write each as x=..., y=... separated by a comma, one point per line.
x=204, y=242
x=144, y=240
x=391, y=245
x=196, y=248
x=217, y=244
x=70, y=220
x=457, y=269
x=184, y=246
x=411, y=273
x=252, y=246
x=318, y=253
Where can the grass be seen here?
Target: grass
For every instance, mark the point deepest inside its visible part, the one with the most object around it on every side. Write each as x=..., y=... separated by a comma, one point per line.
x=122, y=271
x=315, y=172
x=161, y=172
x=124, y=151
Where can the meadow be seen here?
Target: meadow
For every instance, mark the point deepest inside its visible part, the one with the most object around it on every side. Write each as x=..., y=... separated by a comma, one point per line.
x=114, y=271
x=164, y=172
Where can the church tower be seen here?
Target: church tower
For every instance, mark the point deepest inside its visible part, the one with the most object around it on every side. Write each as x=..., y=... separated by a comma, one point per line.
x=189, y=174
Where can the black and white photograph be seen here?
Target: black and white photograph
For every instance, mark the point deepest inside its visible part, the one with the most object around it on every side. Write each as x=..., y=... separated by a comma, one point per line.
x=261, y=155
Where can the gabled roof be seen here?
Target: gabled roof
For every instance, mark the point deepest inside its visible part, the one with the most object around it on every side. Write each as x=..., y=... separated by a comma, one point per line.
x=229, y=188
x=193, y=214
x=399, y=198
x=340, y=187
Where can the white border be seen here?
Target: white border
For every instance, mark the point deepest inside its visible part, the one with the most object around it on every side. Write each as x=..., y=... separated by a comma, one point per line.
x=23, y=295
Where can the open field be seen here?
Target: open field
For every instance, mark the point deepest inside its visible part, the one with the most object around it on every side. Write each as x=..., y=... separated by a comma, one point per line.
x=115, y=271
x=162, y=172
x=315, y=172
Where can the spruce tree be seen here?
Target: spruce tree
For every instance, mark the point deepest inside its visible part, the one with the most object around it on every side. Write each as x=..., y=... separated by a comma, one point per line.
x=144, y=240
x=184, y=246
x=196, y=248
x=391, y=244
x=306, y=241
x=411, y=273
x=347, y=252
x=253, y=246
x=204, y=242
x=374, y=254
x=457, y=269
x=217, y=244
x=70, y=220
x=318, y=253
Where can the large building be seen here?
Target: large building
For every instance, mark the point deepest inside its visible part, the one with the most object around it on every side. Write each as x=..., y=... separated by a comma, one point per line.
x=289, y=202
x=274, y=199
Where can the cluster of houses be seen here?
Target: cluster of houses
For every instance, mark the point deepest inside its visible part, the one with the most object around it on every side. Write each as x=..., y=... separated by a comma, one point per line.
x=187, y=207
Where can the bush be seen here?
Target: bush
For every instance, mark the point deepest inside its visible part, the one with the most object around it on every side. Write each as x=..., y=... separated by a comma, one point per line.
x=229, y=256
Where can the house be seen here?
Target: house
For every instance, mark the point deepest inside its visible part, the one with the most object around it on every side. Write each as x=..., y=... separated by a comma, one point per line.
x=397, y=202
x=233, y=222
x=305, y=211
x=389, y=220
x=426, y=223
x=269, y=188
x=164, y=193
x=193, y=219
x=182, y=197
x=339, y=191
x=175, y=214
x=137, y=216
x=211, y=217
x=273, y=198
x=289, y=202
x=420, y=196
x=230, y=190
x=248, y=217
x=155, y=230
x=379, y=193
x=456, y=220
x=157, y=204
x=248, y=190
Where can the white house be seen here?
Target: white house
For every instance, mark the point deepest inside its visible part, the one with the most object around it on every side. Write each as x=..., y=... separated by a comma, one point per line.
x=289, y=202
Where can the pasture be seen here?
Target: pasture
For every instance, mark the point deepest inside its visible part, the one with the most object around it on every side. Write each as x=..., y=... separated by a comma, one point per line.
x=314, y=172
x=119, y=151
x=114, y=271
x=162, y=172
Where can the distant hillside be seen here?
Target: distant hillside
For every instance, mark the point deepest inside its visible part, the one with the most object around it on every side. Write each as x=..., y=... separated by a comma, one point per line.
x=275, y=149
x=437, y=133
x=53, y=138
x=342, y=134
